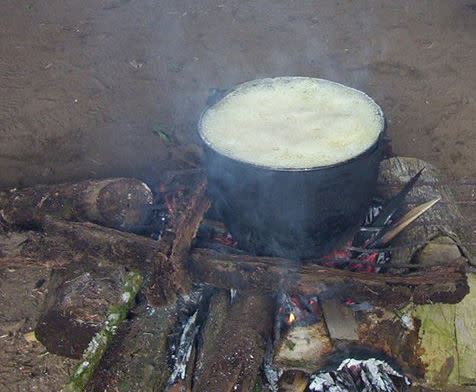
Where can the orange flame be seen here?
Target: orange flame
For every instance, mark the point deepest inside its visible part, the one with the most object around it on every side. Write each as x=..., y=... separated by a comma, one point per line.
x=291, y=318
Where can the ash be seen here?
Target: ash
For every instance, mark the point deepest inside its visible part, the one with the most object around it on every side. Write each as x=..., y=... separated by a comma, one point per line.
x=191, y=311
x=371, y=375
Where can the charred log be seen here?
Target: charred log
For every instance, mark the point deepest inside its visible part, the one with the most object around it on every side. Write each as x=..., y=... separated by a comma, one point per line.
x=443, y=283
x=233, y=343
x=140, y=358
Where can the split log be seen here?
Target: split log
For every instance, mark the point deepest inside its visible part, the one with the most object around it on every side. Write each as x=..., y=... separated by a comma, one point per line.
x=75, y=307
x=339, y=319
x=443, y=283
x=443, y=219
x=303, y=347
x=122, y=203
x=233, y=343
x=140, y=358
x=137, y=358
x=116, y=315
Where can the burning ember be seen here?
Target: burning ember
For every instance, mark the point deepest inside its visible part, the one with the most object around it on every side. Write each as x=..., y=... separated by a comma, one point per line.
x=298, y=308
x=291, y=318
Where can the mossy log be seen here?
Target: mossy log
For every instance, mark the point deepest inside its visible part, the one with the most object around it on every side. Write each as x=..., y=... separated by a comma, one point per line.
x=101, y=341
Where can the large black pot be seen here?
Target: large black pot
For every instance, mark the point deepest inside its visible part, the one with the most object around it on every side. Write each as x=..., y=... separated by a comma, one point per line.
x=294, y=213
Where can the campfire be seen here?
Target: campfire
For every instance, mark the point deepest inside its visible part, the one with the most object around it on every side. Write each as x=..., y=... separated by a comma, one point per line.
x=157, y=295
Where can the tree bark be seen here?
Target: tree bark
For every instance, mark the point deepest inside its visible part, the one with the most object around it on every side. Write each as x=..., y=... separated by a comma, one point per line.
x=121, y=203
x=444, y=283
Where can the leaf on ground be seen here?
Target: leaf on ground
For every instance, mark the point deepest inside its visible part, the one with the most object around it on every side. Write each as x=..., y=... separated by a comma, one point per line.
x=161, y=132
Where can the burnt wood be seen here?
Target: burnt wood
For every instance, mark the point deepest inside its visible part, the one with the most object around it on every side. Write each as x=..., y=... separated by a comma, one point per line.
x=233, y=343
x=443, y=283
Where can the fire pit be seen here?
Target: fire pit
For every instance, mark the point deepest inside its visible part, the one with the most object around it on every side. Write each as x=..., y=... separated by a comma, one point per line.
x=181, y=306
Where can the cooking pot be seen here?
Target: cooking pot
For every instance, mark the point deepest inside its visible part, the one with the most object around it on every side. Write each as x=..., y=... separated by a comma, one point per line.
x=293, y=213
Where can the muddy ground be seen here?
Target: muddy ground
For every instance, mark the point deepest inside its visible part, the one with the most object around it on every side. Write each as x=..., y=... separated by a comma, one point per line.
x=89, y=88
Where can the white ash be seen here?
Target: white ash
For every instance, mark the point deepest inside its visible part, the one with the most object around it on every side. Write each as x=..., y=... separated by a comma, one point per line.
x=360, y=376
x=190, y=307
x=182, y=356
x=271, y=372
x=233, y=294
x=407, y=321
x=374, y=211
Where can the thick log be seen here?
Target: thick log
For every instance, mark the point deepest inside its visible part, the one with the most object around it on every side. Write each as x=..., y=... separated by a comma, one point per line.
x=137, y=358
x=443, y=283
x=161, y=261
x=443, y=219
x=92, y=356
x=140, y=358
x=233, y=343
x=122, y=203
x=75, y=307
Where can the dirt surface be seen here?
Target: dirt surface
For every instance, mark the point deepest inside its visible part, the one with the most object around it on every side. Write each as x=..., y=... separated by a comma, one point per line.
x=92, y=88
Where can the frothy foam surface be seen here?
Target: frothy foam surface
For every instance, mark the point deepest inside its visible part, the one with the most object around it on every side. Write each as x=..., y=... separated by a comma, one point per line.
x=292, y=123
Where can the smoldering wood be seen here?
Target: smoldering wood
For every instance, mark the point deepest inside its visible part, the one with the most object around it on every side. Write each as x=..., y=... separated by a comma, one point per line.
x=140, y=357
x=442, y=283
x=75, y=307
x=443, y=219
x=84, y=252
x=121, y=203
x=233, y=342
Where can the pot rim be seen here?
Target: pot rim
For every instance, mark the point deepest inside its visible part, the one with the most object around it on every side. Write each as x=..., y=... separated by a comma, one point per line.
x=364, y=153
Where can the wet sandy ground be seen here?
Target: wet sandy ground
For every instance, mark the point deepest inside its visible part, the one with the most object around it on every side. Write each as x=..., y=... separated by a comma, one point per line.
x=87, y=88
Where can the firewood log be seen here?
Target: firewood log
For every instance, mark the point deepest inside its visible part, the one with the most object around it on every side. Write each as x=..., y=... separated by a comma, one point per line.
x=99, y=344
x=75, y=307
x=233, y=343
x=443, y=219
x=443, y=283
x=137, y=359
x=122, y=203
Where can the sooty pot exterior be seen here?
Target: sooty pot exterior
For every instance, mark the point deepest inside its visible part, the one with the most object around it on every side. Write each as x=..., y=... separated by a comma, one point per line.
x=297, y=214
